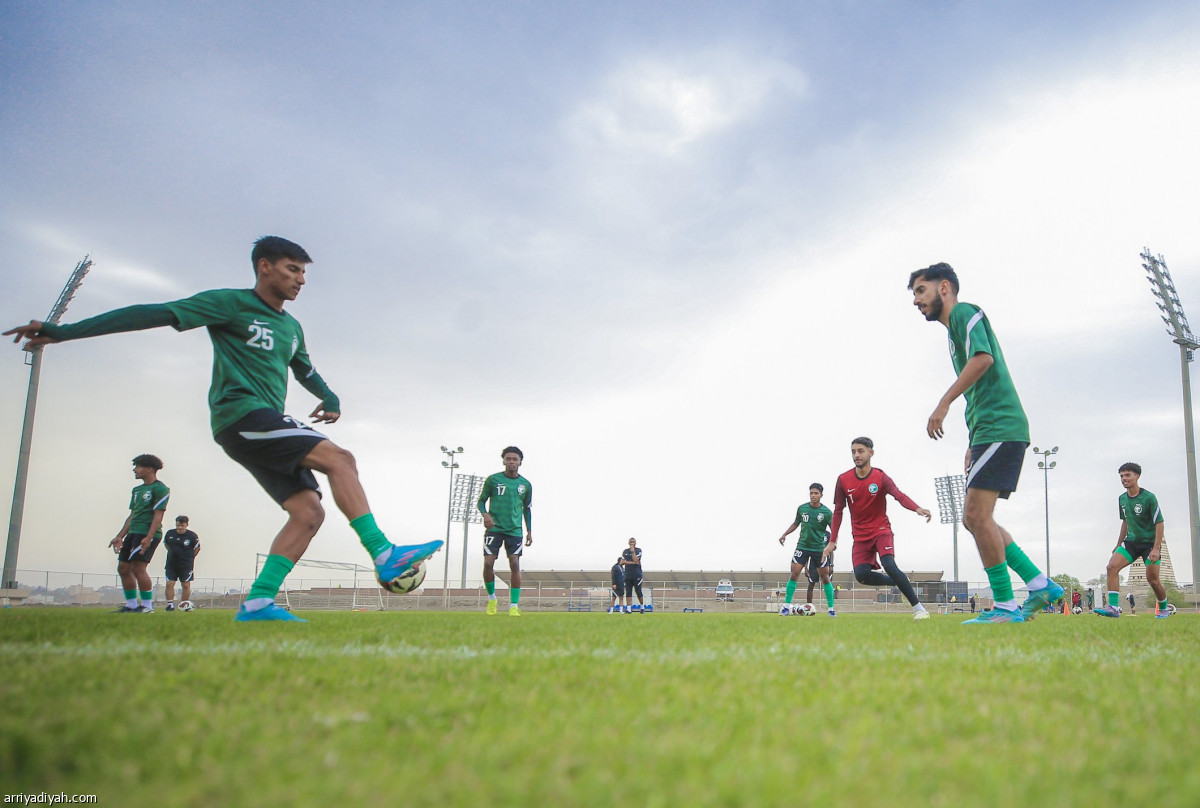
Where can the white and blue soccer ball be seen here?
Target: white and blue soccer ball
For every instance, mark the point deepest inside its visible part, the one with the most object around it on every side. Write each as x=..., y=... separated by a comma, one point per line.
x=786, y=610
x=407, y=581
x=808, y=610
x=1077, y=610
x=186, y=606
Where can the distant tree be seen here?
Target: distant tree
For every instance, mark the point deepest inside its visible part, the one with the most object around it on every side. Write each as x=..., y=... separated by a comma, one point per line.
x=1069, y=583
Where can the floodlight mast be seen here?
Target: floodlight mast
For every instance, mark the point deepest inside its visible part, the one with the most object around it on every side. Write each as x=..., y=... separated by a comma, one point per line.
x=951, y=494
x=1176, y=321
x=33, y=358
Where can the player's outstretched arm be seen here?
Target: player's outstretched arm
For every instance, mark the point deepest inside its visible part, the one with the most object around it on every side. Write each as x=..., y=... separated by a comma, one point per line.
x=972, y=372
x=30, y=333
x=787, y=532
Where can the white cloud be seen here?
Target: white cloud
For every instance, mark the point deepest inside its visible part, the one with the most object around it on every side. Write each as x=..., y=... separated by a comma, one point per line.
x=663, y=108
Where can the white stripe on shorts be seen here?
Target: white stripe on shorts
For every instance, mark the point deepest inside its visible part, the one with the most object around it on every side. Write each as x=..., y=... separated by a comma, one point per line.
x=282, y=433
x=982, y=461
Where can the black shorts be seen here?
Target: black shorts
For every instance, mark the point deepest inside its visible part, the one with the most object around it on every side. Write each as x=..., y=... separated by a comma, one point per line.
x=633, y=584
x=270, y=446
x=492, y=541
x=1135, y=550
x=996, y=466
x=811, y=561
x=132, y=542
x=179, y=569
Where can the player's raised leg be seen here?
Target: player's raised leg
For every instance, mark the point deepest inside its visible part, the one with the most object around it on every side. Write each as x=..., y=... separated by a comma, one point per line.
x=337, y=464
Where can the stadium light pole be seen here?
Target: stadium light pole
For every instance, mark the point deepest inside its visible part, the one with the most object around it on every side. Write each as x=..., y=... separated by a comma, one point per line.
x=34, y=359
x=951, y=493
x=1045, y=464
x=1181, y=333
x=467, y=488
x=451, y=465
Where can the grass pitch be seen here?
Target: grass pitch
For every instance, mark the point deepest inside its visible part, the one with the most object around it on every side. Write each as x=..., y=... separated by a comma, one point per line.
x=553, y=709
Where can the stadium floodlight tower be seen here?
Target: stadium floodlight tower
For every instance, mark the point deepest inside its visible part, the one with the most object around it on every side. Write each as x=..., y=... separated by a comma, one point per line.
x=1045, y=464
x=467, y=488
x=951, y=493
x=34, y=359
x=1181, y=333
x=450, y=464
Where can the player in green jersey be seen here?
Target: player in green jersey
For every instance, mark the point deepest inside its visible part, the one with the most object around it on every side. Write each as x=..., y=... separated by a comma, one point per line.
x=139, y=536
x=255, y=342
x=1140, y=537
x=505, y=502
x=999, y=435
x=813, y=519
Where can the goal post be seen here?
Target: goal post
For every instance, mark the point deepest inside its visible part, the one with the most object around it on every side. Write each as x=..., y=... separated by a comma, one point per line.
x=304, y=597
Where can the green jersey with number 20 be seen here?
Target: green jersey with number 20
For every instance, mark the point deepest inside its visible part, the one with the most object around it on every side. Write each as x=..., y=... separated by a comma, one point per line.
x=813, y=524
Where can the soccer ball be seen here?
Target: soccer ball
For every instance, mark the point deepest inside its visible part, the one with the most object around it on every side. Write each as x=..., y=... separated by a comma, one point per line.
x=186, y=606
x=808, y=610
x=1171, y=608
x=409, y=580
x=1077, y=610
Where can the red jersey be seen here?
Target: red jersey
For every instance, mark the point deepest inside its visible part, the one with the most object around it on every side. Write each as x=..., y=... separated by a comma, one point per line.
x=867, y=499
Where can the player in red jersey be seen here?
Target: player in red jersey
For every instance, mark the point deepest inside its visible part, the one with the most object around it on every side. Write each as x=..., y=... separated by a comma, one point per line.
x=865, y=490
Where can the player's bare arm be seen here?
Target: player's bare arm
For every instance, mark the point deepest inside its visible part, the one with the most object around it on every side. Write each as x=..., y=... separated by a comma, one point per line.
x=972, y=372
x=924, y=512
x=788, y=532
x=30, y=333
x=1156, y=553
x=120, y=537
x=488, y=521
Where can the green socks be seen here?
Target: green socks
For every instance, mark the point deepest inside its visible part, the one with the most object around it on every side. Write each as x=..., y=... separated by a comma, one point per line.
x=148, y=598
x=1020, y=563
x=514, y=596
x=791, y=592
x=370, y=535
x=1001, y=584
x=828, y=595
x=1114, y=599
x=270, y=577
x=491, y=588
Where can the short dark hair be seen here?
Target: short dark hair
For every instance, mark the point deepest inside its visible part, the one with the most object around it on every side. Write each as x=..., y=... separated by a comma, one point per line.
x=273, y=248
x=936, y=272
x=1134, y=467
x=817, y=486
x=870, y=444
x=514, y=450
x=182, y=518
x=149, y=461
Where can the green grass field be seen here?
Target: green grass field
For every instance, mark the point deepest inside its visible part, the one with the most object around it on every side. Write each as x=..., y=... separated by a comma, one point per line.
x=557, y=709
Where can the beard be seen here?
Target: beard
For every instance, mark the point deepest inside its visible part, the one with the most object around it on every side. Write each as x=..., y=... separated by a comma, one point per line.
x=934, y=310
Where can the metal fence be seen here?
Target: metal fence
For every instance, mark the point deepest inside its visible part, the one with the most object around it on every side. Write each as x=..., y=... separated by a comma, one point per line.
x=75, y=589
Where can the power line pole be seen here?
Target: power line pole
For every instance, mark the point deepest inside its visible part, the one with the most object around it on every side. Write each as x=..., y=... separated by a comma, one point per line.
x=34, y=359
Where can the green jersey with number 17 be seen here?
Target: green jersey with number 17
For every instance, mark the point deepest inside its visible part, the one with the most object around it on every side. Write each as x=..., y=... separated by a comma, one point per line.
x=994, y=411
x=253, y=347
x=509, y=497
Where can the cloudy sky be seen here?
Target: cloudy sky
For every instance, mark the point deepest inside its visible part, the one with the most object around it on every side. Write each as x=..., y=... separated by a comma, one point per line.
x=662, y=247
